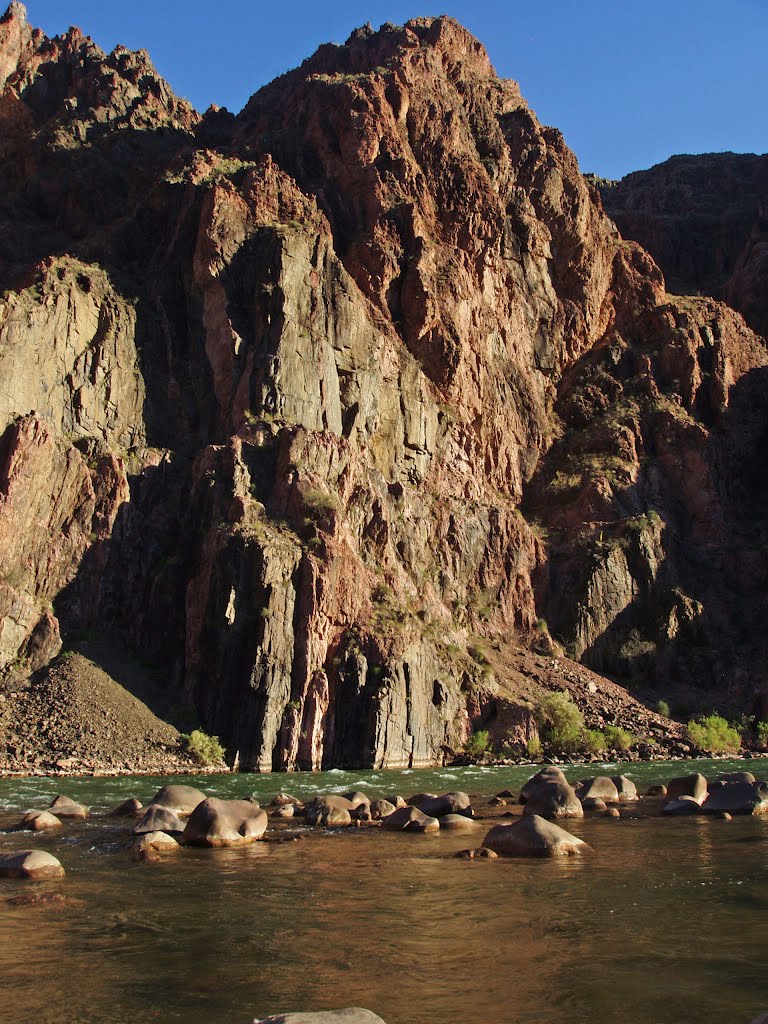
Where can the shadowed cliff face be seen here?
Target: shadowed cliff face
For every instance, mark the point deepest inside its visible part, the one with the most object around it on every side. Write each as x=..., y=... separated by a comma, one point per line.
x=287, y=391
x=705, y=221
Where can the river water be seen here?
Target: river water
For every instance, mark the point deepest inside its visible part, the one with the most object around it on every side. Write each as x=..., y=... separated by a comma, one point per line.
x=666, y=924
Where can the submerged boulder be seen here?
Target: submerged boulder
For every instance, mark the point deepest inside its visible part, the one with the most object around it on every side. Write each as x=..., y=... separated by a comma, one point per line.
x=217, y=823
x=130, y=808
x=36, y=865
x=738, y=798
x=533, y=836
x=480, y=853
x=457, y=823
x=181, y=799
x=38, y=821
x=446, y=803
x=153, y=845
x=681, y=806
x=410, y=819
x=64, y=807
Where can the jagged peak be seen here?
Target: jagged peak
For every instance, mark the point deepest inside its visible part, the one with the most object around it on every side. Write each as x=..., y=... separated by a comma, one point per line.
x=369, y=51
x=15, y=11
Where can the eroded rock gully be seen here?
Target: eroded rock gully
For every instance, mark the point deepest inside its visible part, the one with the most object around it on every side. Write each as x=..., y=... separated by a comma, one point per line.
x=321, y=407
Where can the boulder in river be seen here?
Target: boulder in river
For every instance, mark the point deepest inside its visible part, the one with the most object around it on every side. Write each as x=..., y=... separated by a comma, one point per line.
x=38, y=821
x=217, y=823
x=625, y=787
x=600, y=787
x=328, y=810
x=681, y=806
x=544, y=777
x=64, y=807
x=534, y=836
x=446, y=803
x=159, y=819
x=356, y=799
x=694, y=786
x=181, y=799
x=555, y=799
x=381, y=808
x=130, y=808
x=457, y=823
x=738, y=798
x=479, y=853
x=736, y=777
x=153, y=845
x=351, y=1015
x=410, y=819
x=37, y=865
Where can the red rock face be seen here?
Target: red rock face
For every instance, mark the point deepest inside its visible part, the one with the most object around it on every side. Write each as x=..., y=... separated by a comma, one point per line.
x=703, y=218
x=343, y=394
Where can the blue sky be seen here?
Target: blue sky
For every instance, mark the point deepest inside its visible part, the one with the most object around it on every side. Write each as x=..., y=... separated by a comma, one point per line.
x=628, y=82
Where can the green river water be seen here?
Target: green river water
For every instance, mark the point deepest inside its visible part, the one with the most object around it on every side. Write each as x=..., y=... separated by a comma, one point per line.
x=666, y=924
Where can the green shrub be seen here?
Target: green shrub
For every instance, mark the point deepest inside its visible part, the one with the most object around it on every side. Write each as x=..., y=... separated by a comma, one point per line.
x=663, y=708
x=617, y=738
x=560, y=721
x=205, y=749
x=533, y=748
x=478, y=744
x=593, y=741
x=713, y=734
x=762, y=733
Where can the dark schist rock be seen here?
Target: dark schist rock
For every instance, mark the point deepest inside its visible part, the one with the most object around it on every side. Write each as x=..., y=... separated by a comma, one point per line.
x=288, y=447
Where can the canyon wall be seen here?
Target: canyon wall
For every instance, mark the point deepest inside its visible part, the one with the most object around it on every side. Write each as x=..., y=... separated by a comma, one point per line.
x=322, y=408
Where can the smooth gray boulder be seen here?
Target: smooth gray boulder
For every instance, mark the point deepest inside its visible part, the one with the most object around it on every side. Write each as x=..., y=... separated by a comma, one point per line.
x=130, y=808
x=222, y=823
x=682, y=806
x=694, y=786
x=181, y=799
x=352, y=1015
x=158, y=819
x=554, y=799
x=625, y=787
x=736, y=777
x=153, y=845
x=283, y=811
x=410, y=819
x=544, y=777
x=594, y=803
x=356, y=799
x=38, y=821
x=329, y=811
x=36, y=865
x=534, y=836
x=381, y=808
x=446, y=803
x=64, y=807
x=457, y=823
x=600, y=787
x=738, y=798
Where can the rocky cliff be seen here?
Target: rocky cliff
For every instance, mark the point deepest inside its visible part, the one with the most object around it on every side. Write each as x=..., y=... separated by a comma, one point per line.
x=704, y=219
x=324, y=407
